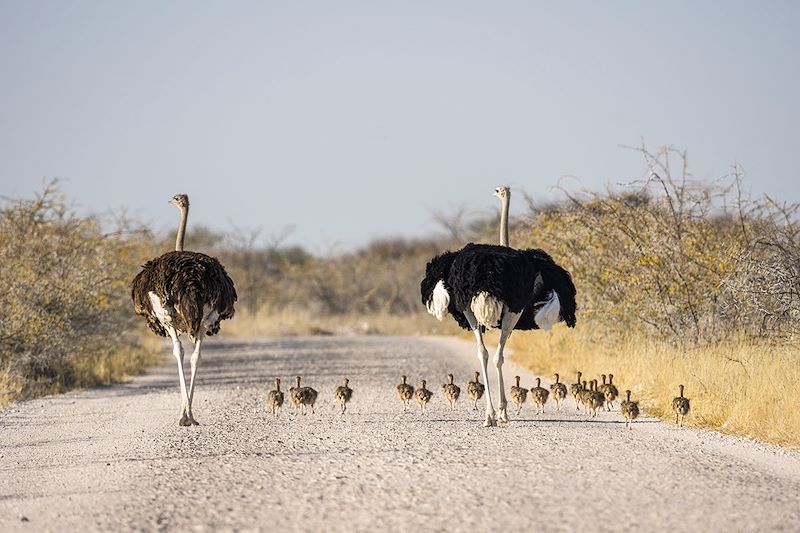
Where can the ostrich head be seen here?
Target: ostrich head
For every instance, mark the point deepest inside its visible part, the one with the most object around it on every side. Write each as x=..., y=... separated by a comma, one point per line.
x=181, y=201
x=503, y=192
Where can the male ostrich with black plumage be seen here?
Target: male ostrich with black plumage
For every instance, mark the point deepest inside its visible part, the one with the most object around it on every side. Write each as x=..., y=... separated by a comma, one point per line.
x=184, y=292
x=488, y=286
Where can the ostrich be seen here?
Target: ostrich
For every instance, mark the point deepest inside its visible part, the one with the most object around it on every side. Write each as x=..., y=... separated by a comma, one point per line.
x=423, y=396
x=451, y=391
x=518, y=394
x=295, y=394
x=559, y=391
x=539, y=396
x=342, y=394
x=681, y=407
x=475, y=390
x=595, y=399
x=275, y=397
x=405, y=392
x=575, y=390
x=184, y=292
x=610, y=392
x=488, y=286
x=629, y=409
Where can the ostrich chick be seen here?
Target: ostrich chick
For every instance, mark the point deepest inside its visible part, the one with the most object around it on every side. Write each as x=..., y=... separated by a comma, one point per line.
x=423, y=396
x=294, y=394
x=405, y=392
x=539, y=396
x=575, y=390
x=475, y=390
x=559, y=391
x=518, y=394
x=610, y=392
x=307, y=396
x=629, y=409
x=343, y=394
x=275, y=398
x=595, y=399
x=451, y=391
x=681, y=407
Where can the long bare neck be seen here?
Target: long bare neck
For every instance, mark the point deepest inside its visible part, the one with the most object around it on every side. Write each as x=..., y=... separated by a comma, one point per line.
x=181, y=229
x=504, y=219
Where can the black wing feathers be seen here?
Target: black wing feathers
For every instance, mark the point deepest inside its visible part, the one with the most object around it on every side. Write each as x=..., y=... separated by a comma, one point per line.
x=185, y=282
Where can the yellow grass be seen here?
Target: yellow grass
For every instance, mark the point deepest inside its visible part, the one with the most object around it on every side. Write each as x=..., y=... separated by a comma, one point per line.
x=101, y=369
x=274, y=322
x=740, y=388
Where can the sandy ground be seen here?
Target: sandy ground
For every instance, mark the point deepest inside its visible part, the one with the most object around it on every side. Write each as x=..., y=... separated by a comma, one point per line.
x=114, y=459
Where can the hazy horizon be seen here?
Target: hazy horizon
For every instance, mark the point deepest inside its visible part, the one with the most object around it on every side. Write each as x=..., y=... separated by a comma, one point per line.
x=357, y=120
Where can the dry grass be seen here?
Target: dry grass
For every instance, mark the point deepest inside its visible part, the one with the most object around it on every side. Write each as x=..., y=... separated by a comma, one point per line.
x=739, y=388
x=98, y=369
x=274, y=322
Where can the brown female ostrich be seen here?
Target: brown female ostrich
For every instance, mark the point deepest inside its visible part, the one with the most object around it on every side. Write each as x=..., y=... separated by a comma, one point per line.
x=184, y=292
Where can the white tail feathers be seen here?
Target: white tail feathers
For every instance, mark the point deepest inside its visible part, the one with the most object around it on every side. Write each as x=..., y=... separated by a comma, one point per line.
x=439, y=302
x=487, y=309
x=548, y=315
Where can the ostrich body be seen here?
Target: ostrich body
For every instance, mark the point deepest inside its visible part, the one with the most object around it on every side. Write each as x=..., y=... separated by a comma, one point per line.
x=575, y=390
x=487, y=286
x=275, y=397
x=307, y=397
x=584, y=394
x=451, y=391
x=539, y=396
x=423, y=396
x=342, y=394
x=681, y=407
x=595, y=399
x=518, y=395
x=184, y=292
x=475, y=390
x=629, y=409
x=405, y=392
x=610, y=392
x=559, y=391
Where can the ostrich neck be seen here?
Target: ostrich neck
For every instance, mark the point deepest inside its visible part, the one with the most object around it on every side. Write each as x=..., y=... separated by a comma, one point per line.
x=504, y=220
x=181, y=230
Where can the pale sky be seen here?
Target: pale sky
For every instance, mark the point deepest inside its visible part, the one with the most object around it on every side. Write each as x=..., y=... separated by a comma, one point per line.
x=357, y=120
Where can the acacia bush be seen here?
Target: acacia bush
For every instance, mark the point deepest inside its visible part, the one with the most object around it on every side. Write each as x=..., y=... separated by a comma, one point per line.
x=64, y=297
x=678, y=258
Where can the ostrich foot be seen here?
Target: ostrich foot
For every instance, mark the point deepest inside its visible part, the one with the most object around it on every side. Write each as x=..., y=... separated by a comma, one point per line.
x=503, y=416
x=490, y=420
x=187, y=420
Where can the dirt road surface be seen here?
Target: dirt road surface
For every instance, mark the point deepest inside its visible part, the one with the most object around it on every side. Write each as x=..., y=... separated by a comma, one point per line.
x=114, y=458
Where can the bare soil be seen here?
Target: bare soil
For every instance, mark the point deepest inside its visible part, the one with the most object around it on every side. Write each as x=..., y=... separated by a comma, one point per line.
x=115, y=459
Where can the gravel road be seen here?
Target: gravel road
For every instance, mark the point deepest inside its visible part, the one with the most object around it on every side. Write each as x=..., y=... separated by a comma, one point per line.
x=115, y=459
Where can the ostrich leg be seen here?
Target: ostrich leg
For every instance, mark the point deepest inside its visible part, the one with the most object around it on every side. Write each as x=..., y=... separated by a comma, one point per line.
x=177, y=351
x=195, y=363
x=507, y=324
x=483, y=359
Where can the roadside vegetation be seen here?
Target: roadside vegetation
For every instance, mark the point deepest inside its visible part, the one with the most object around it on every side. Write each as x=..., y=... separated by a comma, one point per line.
x=679, y=281
x=64, y=302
